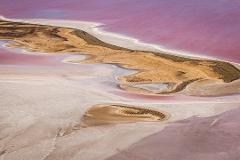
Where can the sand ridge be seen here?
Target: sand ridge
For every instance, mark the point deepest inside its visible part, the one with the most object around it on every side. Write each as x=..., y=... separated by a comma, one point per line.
x=103, y=114
x=152, y=67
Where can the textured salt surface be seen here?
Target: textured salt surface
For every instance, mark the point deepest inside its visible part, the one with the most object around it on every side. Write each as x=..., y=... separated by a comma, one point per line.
x=155, y=87
x=52, y=100
x=216, y=137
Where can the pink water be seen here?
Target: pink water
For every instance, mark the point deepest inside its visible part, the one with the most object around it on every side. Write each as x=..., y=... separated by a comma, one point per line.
x=11, y=58
x=202, y=27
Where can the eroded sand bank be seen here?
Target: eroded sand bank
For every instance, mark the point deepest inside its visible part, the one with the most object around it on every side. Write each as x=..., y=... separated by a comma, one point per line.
x=43, y=106
x=152, y=67
x=119, y=113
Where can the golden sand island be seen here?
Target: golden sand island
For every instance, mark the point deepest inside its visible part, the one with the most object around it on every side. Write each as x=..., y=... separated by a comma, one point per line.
x=157, y=73
x=103, y=114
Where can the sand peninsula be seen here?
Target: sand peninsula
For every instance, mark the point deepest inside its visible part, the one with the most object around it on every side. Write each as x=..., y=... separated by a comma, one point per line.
x=157, y=73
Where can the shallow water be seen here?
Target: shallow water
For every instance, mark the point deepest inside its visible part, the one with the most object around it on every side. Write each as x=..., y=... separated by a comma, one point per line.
x=44, y=97
x=202, y=27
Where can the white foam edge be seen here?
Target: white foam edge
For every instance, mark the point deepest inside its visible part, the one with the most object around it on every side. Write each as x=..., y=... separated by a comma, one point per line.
x=97, y=30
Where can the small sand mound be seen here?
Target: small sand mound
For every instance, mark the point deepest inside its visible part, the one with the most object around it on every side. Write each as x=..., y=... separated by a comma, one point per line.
x=103, y=114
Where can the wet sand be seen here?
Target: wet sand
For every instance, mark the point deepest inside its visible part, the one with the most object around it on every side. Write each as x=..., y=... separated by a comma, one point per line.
x=119, y=113
x=44, y=106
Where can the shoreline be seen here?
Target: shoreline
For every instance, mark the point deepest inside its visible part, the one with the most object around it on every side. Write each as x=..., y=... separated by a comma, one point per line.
x=160, y=68
x=59, y=101
x=97, y=29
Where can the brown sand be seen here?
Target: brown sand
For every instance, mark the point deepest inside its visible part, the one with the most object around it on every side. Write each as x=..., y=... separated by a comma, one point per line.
x=152, y=67
x=103, y=114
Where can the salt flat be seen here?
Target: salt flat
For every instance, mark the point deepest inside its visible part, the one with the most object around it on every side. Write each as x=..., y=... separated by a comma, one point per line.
x=39, y=107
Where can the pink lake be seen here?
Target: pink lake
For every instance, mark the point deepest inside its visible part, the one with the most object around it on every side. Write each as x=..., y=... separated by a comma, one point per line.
x=202, y=27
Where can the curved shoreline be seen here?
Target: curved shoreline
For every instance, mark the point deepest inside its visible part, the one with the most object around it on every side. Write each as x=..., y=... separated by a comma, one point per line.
x=153, y=67
x=97, y=30
x=49, y=106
